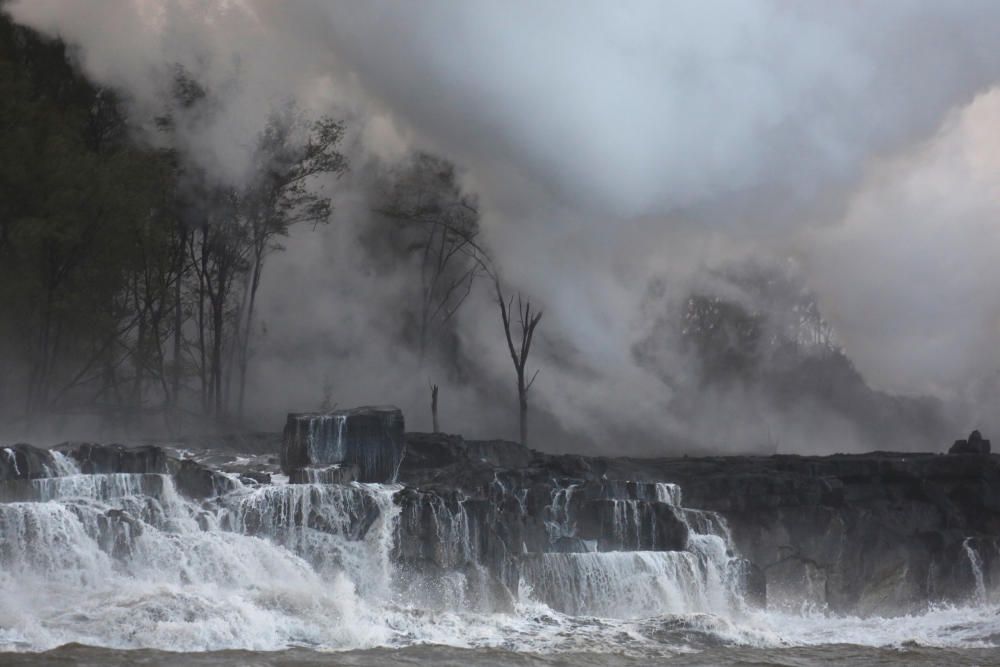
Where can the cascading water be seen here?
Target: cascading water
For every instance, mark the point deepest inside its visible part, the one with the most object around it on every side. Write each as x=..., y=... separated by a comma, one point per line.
x=63, y=465
x=125, y=560
x=142, y=566
x=976, y=564
x=632, y=584
x=12, y=457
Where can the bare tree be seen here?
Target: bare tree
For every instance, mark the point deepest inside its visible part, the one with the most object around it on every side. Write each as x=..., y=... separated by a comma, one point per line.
x=528, y=322
x=434, y=408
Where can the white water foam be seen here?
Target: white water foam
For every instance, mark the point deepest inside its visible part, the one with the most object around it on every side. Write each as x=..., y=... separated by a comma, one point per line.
x=172, y=584
x=63, y=464
x=124, y=561
x=12, y=457
x=976, y=564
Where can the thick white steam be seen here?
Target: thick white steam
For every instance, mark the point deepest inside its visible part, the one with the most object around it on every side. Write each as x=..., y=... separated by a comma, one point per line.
x=610, y=144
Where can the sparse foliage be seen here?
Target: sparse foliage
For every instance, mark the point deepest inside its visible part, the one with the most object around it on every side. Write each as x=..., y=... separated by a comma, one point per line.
x=436, y=223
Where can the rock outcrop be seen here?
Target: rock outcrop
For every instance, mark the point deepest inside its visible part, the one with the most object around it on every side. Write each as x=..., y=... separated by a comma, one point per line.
x=879, y=532
x=21, y=462
x=871, y=533
x=370, y=438
x=975, y=444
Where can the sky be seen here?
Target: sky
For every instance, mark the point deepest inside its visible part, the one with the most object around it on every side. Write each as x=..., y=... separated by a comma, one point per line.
x=611, y=145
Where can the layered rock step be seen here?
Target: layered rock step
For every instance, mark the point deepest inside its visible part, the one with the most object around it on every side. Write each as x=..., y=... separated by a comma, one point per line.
x=477, y=521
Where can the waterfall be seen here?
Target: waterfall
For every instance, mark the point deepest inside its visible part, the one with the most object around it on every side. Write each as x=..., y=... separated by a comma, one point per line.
x=142, y=566
x=63, y=465
x=706, y=577
x=668, y=493
x=12, y=457
x=325, y=440
x=630, y=584
x=336, y=528
x=558, y=520
x=976, y=563
x=323, y=562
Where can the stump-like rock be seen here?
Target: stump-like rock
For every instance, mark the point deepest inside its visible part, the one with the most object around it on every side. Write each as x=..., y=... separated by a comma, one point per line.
x=370, y=438
x=975, y=444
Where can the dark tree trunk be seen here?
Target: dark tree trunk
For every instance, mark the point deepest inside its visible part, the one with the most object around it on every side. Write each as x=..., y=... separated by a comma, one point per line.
x=434, y=408
x=175, y=377
x=523, y=411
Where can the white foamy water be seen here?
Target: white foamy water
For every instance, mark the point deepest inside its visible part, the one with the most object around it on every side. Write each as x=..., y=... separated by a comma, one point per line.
x=124, y=561
x=64, y=465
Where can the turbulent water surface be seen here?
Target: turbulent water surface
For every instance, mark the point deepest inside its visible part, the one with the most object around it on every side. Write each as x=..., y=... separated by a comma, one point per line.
x=119, y=569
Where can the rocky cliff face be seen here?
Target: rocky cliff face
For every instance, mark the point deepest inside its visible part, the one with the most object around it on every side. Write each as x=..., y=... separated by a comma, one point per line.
x=861, y=533
x=477, y=523
x=879, y=532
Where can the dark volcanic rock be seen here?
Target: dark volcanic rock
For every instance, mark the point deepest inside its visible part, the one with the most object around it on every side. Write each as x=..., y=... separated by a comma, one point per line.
x=255, y=476
x=975, y=444
x=631, y=525
x=196, y=481
x=878, y=532
x=190, y=477
x=97, y=459
x=369, y=437
x=25, y=462
x=870, y=533
x=866, y=533
x=117, y=532
x=499, y=453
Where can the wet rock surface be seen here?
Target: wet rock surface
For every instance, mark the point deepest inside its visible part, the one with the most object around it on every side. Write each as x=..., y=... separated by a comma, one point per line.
x=96, y=459
x=370, y=438
x=870, y=533
x=867, y=533
x=22, y=462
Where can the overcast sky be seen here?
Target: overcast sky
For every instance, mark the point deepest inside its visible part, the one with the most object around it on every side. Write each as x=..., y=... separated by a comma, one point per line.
x=614, y=142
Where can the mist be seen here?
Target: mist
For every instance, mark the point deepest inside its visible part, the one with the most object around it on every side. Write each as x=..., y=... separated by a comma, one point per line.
x=622, y=159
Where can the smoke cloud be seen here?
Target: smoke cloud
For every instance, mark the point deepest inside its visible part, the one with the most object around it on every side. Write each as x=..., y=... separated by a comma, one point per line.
x=611, y=148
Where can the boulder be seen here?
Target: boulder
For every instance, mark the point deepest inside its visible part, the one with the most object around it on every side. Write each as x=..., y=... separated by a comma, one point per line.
x=25, y=462
x=255, y=477
x=369, y=437
x=975, y=444
x=196, y=481
x=95, y=459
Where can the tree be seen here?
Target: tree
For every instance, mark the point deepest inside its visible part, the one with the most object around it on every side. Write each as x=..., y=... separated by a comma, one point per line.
x=80, y=206
x=279, y=196
x=129, y=275
x=438, y=224
x=528, y=322
x=434, y=408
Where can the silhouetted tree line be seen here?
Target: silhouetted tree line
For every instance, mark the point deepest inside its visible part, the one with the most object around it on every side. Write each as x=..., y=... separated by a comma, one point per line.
x=128, y=277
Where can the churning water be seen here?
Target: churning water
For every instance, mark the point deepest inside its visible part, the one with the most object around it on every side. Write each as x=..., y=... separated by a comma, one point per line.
x=122, y=569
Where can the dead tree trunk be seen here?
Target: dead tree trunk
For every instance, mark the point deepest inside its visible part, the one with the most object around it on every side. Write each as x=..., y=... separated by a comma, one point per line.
x=434, y=408
x=528, y=321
